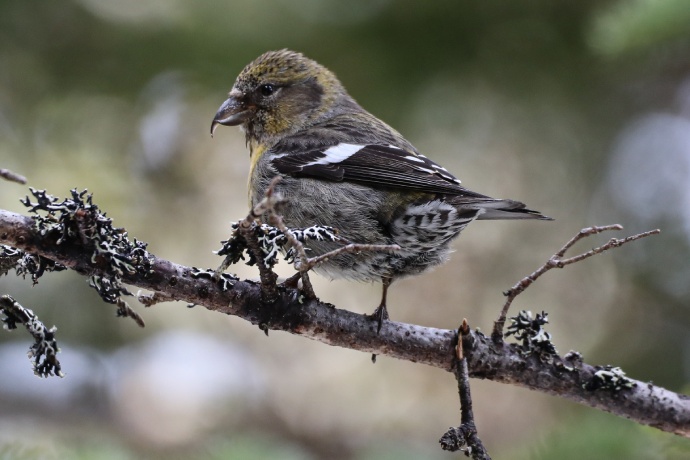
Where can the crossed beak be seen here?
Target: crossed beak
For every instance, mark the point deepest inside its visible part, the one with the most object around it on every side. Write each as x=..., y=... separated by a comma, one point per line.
x=233, y=112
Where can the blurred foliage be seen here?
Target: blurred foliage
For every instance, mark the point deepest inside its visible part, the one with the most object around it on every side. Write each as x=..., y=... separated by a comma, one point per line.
x=640, y=25
x=529, y=100
x=603, y=436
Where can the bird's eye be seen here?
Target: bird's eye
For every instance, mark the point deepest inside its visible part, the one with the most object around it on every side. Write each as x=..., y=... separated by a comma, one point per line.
x=267, y=89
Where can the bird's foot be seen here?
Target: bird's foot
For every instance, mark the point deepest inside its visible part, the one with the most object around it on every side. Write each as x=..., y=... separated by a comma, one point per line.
x=293, y=281
x=380, y=315
x=307, y=289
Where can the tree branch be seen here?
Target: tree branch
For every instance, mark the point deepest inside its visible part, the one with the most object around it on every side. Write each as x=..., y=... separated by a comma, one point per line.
x=567, y=377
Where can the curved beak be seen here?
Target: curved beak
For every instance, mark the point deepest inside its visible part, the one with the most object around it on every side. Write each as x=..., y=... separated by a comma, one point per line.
x=233, y=112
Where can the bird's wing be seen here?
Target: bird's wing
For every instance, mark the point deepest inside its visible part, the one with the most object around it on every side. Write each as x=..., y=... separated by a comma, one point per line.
x=371, y=164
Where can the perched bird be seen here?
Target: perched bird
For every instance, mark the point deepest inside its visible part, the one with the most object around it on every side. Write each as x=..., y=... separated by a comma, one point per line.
x=345, y=168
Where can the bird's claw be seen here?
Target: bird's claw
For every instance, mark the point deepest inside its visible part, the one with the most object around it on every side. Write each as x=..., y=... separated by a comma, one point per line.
x=380, y=315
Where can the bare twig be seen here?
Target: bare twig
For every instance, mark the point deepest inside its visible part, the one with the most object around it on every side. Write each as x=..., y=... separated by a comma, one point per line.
x=352, y=247
x=466, y=434
x=557, y=261
x=12, y=176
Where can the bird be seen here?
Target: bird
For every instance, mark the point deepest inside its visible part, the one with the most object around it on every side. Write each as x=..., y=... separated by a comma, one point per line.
x=343, y=167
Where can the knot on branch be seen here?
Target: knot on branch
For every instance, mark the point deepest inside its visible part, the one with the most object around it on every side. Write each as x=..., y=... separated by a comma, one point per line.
x=464, y=438
x=455, y=438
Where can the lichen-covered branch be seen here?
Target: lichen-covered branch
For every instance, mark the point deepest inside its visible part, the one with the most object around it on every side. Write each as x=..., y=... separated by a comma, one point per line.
x=78, y=219
x=566, y=376
x=44, y=350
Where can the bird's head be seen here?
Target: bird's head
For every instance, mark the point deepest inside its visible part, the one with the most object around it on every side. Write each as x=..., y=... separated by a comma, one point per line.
x=279, y=93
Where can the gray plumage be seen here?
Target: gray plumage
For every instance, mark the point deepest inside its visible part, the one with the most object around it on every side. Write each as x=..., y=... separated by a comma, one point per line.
x=345, y=168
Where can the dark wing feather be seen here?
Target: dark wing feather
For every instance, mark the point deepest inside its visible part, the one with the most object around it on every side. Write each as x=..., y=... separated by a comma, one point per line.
x=372, y=164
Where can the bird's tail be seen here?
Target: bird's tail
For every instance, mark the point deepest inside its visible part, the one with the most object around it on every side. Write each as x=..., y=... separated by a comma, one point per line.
x=507, y=209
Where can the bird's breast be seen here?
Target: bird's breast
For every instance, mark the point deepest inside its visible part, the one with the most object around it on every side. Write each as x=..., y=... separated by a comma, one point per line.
x=257, y=155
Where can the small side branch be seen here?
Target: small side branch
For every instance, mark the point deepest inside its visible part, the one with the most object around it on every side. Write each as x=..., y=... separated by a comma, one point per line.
x=12, y=176
x=247, y=229
x=466, y=434
x=43, y=351
x=558, y=261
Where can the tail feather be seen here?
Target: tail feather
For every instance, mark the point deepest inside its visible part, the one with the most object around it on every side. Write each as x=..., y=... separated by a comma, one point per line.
x=507, y=209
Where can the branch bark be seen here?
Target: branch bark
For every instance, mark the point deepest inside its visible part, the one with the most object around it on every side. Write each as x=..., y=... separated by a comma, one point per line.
x=567, y=377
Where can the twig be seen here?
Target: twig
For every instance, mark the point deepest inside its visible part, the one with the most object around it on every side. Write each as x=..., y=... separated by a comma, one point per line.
x=352, y=247
x=466, y=434
x=269, y=289
x=276, y=220
x=12, y=176
x=42, y=352
x=557, y=261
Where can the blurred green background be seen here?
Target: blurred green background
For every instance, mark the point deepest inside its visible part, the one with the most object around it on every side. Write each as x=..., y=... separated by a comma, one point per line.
x=580, y=109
